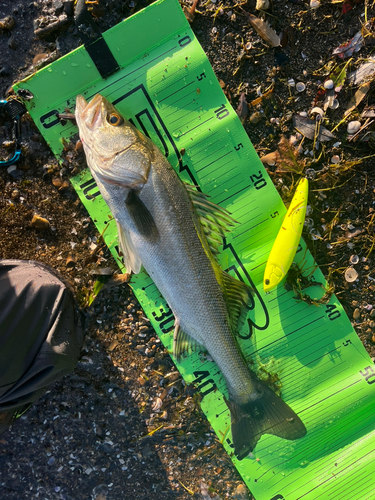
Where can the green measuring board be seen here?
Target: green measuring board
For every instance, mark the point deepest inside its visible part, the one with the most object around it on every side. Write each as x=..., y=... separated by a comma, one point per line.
x=167, y=87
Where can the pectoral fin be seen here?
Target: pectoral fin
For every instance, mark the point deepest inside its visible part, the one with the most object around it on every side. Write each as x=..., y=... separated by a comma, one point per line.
x=131, y=258
x=141, y=216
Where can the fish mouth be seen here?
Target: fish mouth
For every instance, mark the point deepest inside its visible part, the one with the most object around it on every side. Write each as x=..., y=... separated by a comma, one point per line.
x=89, y=113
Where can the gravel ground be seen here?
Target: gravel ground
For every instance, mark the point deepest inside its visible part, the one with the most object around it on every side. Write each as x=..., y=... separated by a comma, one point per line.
x=124, y=425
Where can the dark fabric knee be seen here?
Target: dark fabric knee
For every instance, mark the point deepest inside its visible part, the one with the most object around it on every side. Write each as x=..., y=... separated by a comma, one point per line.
x=41, y=331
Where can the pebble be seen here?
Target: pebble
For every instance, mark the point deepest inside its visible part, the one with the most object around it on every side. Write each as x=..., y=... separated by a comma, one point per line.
x=255, y=117
x=241, y=493
x=70, y=262
x=353, y=127
x=15, y=193
x=335, y=159
x=262, y=5
x=357, y=314
x=328, y=84
x=7, y=23
x=39, y=222
x=113, y=345
x=57, y=182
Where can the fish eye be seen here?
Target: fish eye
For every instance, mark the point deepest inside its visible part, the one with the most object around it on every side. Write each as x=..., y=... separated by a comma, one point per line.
x=115, y=119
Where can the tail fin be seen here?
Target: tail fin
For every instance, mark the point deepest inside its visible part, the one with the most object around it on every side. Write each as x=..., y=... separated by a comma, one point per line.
x=266, y=415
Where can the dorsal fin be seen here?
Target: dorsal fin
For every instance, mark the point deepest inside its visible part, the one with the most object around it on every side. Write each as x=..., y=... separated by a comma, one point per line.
x=215, y=220
x=238, y=297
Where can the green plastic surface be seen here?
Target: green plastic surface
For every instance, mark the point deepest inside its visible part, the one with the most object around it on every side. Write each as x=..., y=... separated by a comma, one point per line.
x=168, y=88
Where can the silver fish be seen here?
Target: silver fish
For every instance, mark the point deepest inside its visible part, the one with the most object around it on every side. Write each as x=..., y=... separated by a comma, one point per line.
x=174, y=231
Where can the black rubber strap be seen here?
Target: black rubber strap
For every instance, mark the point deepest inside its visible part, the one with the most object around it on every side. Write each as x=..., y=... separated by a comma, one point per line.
x=93, y=41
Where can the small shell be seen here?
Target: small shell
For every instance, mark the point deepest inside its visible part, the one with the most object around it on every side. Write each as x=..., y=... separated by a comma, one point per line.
x=314, y=4
x=335, y=159
x=291, y=82
x=293, y=140
x=317, y=111
x=157, y=404
x=354, y=259
x=328, y=84
x=270, y=158
x=351, y=275
x=300, y=86
x=335, y=104
x=353, y=127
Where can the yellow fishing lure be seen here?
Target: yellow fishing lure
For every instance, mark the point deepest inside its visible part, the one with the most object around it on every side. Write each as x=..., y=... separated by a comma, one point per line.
x=287, y=240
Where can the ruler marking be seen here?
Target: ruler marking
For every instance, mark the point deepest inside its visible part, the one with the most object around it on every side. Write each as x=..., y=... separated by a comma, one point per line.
x=175, y=102
x=234, y=194
x=218, y=168
x=183, y=116
x=285, y=335
x=334, y=477
x=301, y=454
x=168, y=77
x=173, y=93
x=195, y=144
x=199, y=125
x=217, y=159
x=205, y=158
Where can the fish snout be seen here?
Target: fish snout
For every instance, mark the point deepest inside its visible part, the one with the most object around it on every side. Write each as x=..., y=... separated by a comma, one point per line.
x=90, y=113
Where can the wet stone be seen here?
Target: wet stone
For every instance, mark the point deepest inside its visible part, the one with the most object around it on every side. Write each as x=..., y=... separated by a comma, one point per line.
x=356, y=314
x=39, y=222
x=141, y=348
x=7, y=23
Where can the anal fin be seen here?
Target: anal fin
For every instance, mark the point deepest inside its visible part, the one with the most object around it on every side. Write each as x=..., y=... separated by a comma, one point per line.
x=183, y=344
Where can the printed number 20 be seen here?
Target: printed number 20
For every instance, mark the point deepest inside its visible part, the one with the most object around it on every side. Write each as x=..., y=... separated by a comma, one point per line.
x=258, y=180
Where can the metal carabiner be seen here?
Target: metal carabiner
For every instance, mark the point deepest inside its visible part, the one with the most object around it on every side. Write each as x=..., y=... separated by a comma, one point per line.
x=15, y=110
